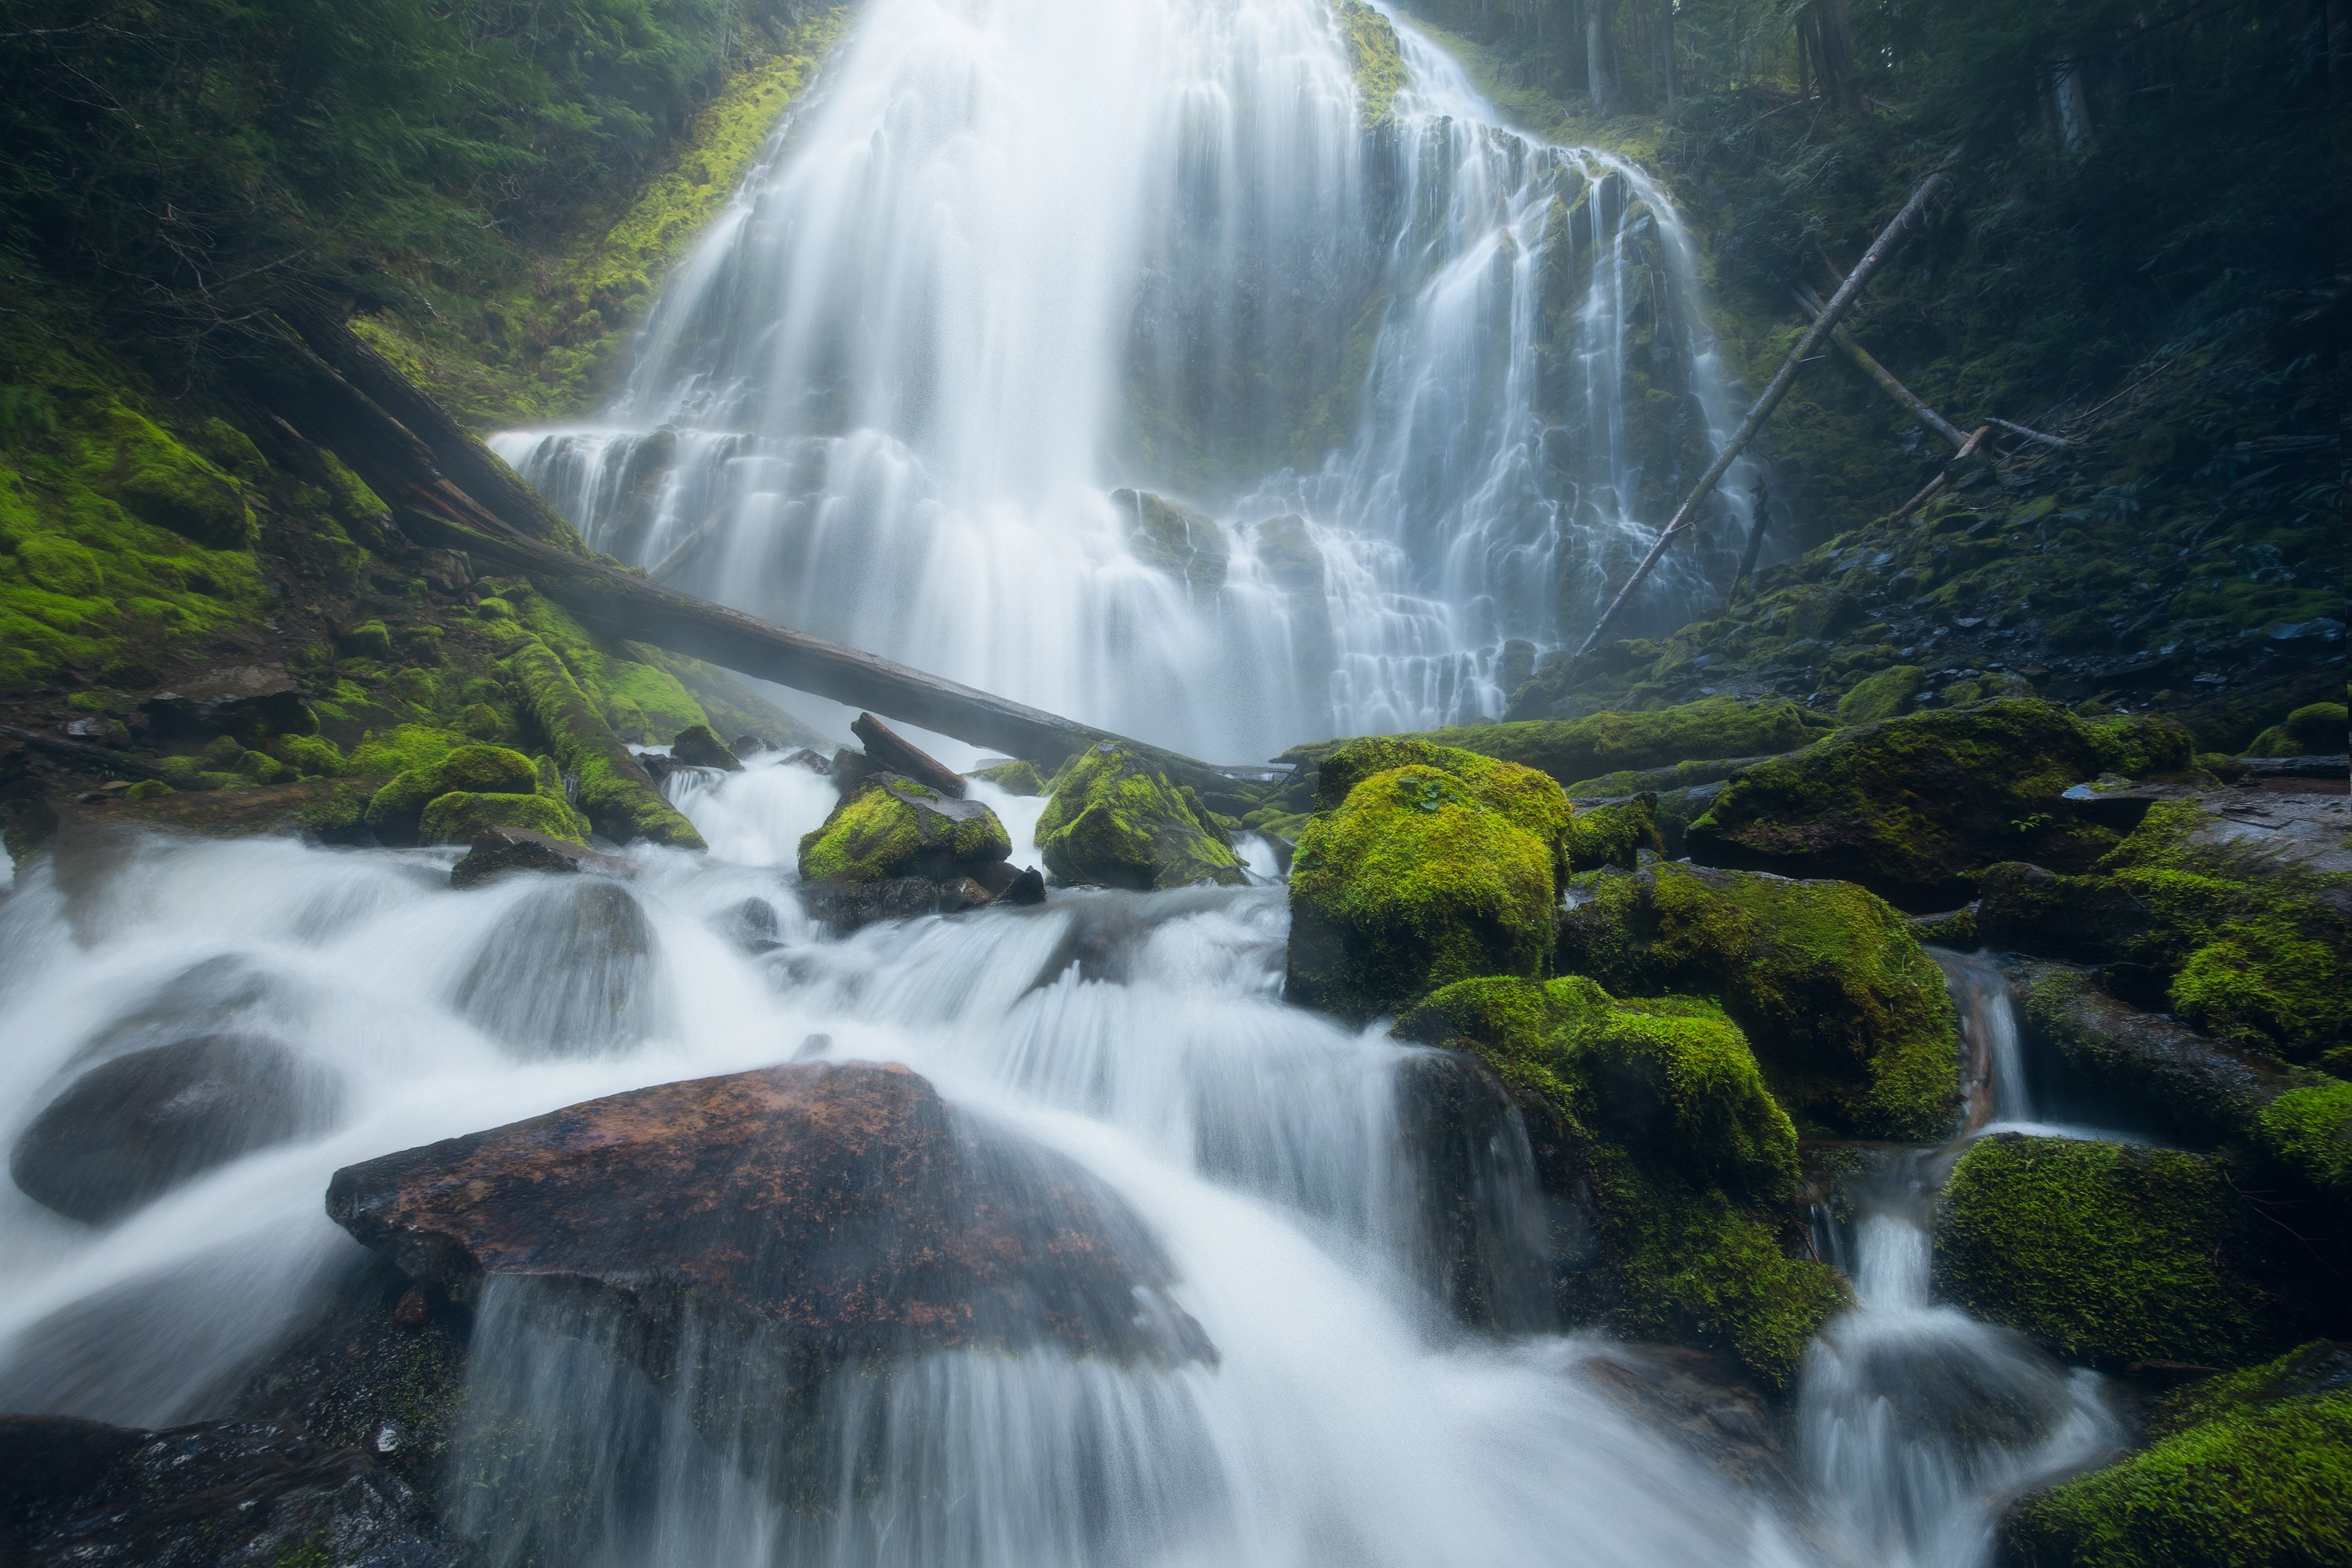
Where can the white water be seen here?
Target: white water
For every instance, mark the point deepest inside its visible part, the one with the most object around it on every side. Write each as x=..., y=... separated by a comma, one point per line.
x=1346, y=1421
x=1018, y=253
x=1918, y=1423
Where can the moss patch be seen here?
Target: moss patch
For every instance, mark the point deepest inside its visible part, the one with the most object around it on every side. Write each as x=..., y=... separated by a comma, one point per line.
x=2107, y=1253
x=1379, y=61
x=396, y=810
x=1614, y=835
x=1422, y=876
x=2253, y=1470
x=1850, y=1017
x=891, y=826
x=613, y=792
x=1114, y=821
x=2309, y=1132
x=459, y=816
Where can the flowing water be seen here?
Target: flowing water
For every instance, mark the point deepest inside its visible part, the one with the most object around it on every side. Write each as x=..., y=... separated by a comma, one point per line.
x=1438, y=382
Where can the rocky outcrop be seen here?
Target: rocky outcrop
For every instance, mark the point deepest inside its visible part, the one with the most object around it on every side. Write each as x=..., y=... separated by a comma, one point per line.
x=698, y=746
x=1914, y=807
x=131, y=1129
x=889, y=827
x=1849, y=1016
x=1115, y=822
x=568, y=974
x=1170, y=537
x=502, y=851
x=226, y=1494
x=793, y=1218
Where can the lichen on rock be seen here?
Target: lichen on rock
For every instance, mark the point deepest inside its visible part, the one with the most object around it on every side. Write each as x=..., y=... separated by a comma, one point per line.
x=1115, y=821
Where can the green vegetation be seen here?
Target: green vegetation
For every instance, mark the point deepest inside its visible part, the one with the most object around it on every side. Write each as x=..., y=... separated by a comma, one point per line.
x=1850, y=1017
x=459, y=816
x=2315, y=730
x=1690, y=1163
x=2109, y=1253
x=1881, y=695
x=614, y=792
x=1115, y=822
x=892, y=826
x=2251, y=1471
x=2309, y=1132
x=1913, y=807
x=1015, y=777
x=1440, y=869
x=395, y=810
x=1614, y=835
x=1379, y=67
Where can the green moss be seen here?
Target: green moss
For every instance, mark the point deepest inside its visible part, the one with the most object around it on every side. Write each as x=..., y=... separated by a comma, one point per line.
x=2107, y=1253
x=1850, y=1017
x=2253, y=1470
x=1915, y=806
x=1114, y=821
x=1614, y=835
x=337, y=810
x=460, y=815
x=1417, y=880
x=1881, y=695
x=614, y=792
x=1013, y=778
x=402, y=748
x=396, y=810
x=162, y=482
x=1530, y=802
x=2315, y=729
x=1378, y=60
x=2309, y=1132
x=1575, y=750
x=1666, y=1120
x=891, y=826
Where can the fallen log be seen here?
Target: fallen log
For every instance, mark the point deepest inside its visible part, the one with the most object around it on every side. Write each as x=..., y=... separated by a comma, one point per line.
x=1868, y=363
x=1943, y=476
x=496, y=517
x=1839, y=304
x=900, y=755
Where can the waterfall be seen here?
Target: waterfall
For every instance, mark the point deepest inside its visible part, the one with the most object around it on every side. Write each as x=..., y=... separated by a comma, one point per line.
x=1434, y=383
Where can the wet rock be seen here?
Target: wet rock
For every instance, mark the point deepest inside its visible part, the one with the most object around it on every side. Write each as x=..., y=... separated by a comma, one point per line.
x=241, y=699
x=1027, y=888
x=396, y=810
x=461, y=816
x=1706, y=1404
x=1170, y=537
x=1914, y=807
x=567, y=975
x=1484, y=1239
x=698, y=746
x=845, y=907
x=221, y=1494
x=2149, y=1069
x=1015, y=777
x=1115, y=822
x=889, y=826
x=131, y=1129
x=504, y=851
x=900, y=755
x=802, y=1215
x=752, y=926
x=1287, y=553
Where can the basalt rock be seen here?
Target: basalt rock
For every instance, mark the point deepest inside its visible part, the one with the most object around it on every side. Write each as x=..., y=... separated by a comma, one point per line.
x=1115, y=822
x=502, y=851
x=800, y=1217
x=1175, y=539
x=131, y=1129
x=698, y=746
x=889, y=827
x=226, y=1494
x=241, y=699
x=566, y=974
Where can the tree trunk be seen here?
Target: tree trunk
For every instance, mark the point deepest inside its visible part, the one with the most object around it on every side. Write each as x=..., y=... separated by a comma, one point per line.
x=1934, y=422
x=1600, y=66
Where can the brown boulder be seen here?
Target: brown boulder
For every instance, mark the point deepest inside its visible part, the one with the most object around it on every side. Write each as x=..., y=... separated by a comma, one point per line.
x=819, y=1213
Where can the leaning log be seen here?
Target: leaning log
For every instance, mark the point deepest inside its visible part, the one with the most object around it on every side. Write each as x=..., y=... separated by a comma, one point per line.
x=1867, y=363
x=1840, y=304
x=344, y=398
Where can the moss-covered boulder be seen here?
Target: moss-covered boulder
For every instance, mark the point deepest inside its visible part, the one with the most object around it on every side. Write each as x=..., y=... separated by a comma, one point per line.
x=462, y=816
x=889, y=826
x=2109, y=1253
x=2251, y=1471
x=1652, y=1116
x=396, y=812
x=1848, y=1014
x=1115, y=821
x=1881, y=695
x=1015, y=777
x=1915, y=806
x=2315, y=729
x=1441, y=869
x=1614, y=835
x=163, y=482
x=2308, y=1131
x=614, y=791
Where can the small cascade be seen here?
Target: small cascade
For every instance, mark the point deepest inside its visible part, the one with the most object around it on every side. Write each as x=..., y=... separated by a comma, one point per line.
x=1918, y=1423
x=1435, y=384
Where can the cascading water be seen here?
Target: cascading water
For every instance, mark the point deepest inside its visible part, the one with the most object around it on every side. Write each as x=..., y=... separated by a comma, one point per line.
x=1272, y=1156
x=1918, y=1423
x=1439, y=381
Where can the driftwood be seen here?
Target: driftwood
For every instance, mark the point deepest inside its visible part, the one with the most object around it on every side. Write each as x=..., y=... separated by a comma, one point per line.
x=900, y=755
x=1839, y=304
x=1868, y=363
x=492, y=515
x=2042, y=436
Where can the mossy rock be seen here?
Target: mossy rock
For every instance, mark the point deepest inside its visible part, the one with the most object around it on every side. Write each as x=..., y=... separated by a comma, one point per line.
x=1172, y=538
x=2315, y=729
x=397, y=810
x=1848, y=1014
x=1376, y=60
x=1533, y=802
x=1426, y=874
x=2107, y=1253
x=2308, y=1131
x=1578, y=752
x=889, y=826
x=1115, y=822
x=2251, y=1471
x=1016, y=777
x=460, y=817
x=162, y=482
x=1614, y=835
x=1914, y=807
x=1881, y=695
x=1655, y=1115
